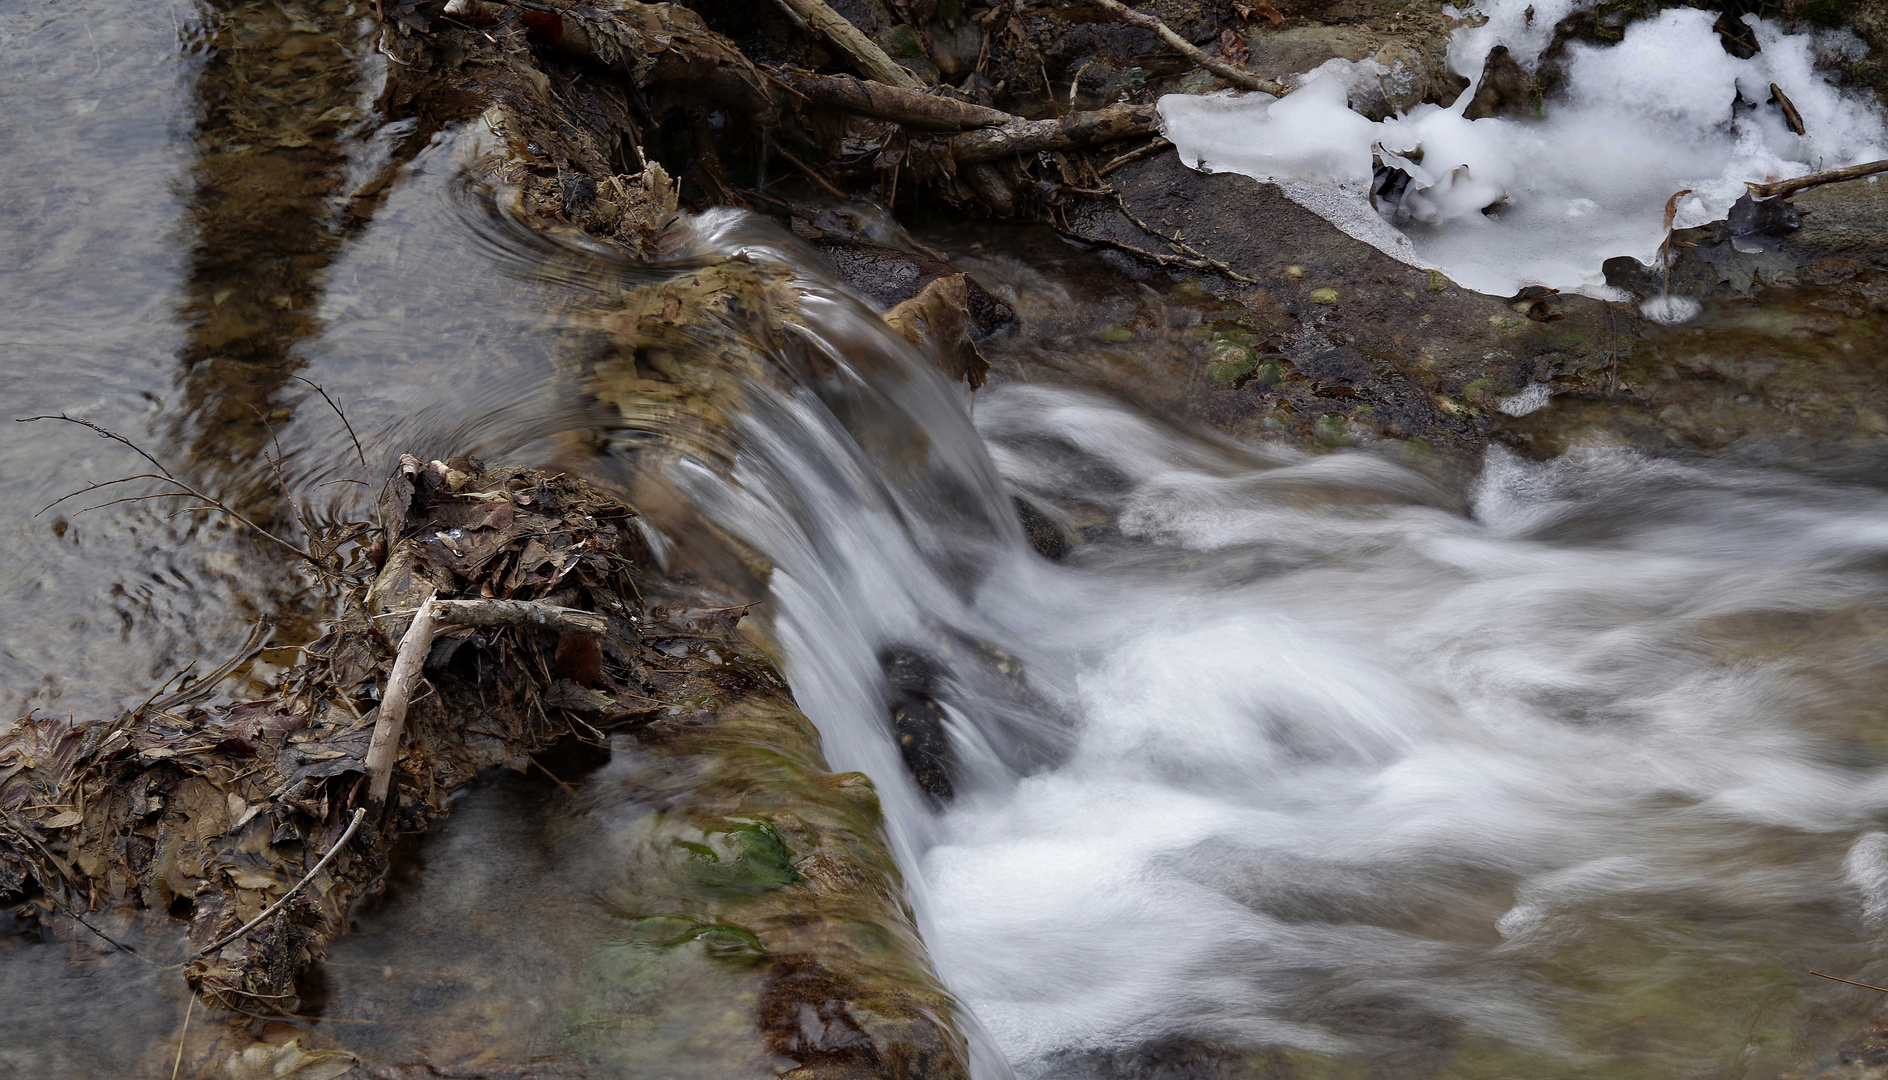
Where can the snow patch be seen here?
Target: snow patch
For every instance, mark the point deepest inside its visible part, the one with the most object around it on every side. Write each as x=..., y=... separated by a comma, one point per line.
x=1501, y=203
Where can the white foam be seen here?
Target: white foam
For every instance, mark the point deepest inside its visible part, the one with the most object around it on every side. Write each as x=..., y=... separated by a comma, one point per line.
x=1500, y=203
x=1670, y=310
x=1532, y=398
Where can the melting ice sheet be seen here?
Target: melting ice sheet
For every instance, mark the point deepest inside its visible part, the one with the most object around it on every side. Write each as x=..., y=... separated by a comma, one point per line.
x=1500, y=203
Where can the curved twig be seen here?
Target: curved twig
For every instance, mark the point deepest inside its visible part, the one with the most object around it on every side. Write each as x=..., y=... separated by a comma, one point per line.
x=168, y=477
x=360, y=814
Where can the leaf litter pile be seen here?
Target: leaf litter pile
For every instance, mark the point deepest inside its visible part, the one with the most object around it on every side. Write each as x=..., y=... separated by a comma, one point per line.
x=189, y=822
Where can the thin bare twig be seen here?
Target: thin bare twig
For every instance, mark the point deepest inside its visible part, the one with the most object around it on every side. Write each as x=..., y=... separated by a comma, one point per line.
x=360, y=813
x=360, y=455
x=182, y=1037
x=1851, y=982
x=1130, y=249
x=281, y=480
x=103, y=433
x=168, y=477
x=1184, y=248
x=1245, y=80
x=811, y=173
x=1159, y=142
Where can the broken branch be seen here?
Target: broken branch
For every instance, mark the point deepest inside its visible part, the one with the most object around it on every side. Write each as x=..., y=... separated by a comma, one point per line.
x=1245, y=80
x=912, y=108
x=1112, y=124
x=1829, y=176
x=169, y=478
x=864, y=53
x=1184, y=248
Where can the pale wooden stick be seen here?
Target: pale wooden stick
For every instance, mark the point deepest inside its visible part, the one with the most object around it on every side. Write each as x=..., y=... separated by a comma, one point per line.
x=431, y=617
x=872, y=61
x=519, y=613
x=1245, y=80
x=1785, y=187
x=388, y=725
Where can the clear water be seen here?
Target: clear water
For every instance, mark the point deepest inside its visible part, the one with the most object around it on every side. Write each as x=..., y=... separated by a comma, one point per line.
x=1297, y=766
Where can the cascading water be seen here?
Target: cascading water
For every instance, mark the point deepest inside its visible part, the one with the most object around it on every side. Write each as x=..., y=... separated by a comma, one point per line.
x=1304, y=757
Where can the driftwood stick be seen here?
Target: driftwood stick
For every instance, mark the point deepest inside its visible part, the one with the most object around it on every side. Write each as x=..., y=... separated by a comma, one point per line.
x=1830, y=176
x=912, y=108
x=391, y=722
x=432, y=617
x=1112, y=124
x=519, y=613
x=870, y=59
x=1245, y=80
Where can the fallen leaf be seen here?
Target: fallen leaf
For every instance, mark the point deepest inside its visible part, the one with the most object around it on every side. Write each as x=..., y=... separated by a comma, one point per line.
x=244, y=879
x=288, y=1061
x=1233, y=48
x=1263, y=9
x=940, y=316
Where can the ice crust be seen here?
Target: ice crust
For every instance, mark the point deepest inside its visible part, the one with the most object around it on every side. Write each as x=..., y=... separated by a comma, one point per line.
x=1662, y=110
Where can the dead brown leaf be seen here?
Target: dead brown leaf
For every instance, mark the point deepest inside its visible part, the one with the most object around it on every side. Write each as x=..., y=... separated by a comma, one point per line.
x=1232, y=47
x=1263, y=9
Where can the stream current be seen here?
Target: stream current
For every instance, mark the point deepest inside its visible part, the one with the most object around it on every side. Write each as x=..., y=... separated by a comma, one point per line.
x=1294, y=765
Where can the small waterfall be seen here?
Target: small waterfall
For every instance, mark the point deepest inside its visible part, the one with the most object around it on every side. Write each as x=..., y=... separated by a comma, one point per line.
x=1305, y=755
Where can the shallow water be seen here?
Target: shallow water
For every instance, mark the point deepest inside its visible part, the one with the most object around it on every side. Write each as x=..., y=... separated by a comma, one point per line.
x=1296, y=765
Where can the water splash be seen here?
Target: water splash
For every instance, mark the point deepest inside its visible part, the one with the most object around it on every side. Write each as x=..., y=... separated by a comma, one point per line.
x=1303, y=755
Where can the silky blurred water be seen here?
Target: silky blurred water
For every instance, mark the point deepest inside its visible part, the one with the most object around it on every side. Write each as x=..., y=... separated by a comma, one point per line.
x=1303, y=763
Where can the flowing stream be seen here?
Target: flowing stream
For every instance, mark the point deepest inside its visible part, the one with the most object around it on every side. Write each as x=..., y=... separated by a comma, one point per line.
x=1571, y=774
x=1293, y=765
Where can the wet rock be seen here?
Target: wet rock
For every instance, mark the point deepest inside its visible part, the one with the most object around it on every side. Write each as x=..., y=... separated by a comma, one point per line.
x=1506, y=89
x=1844, y=229
x=1762, y=224
x=913, y=682
x=1045, y=536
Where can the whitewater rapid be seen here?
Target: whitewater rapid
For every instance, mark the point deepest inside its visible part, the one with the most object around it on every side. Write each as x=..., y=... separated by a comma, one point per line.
x=1306, y=754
